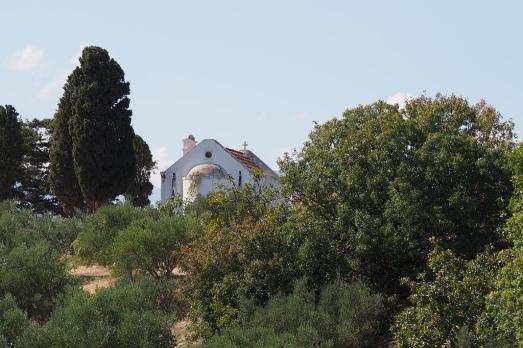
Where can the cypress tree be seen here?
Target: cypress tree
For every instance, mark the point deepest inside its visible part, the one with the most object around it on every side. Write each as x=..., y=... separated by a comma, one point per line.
x=62, y=178
x=11, y=150
x=100, y=128
x=141, y=188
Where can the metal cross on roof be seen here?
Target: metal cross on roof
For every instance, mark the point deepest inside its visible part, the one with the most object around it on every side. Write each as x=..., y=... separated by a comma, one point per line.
x=244, y=145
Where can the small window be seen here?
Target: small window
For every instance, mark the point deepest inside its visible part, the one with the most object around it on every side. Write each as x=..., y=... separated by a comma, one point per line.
x=240, y=179
x=208, y=154
x=173, y=183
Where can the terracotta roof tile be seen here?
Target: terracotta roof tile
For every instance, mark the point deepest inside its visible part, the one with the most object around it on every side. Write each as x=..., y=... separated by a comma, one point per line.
x=244, y=160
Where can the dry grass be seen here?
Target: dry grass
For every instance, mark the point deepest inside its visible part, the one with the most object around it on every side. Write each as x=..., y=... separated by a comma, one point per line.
x=180, y=332
x=183, y=334
x=91, y=271
x=96, y=277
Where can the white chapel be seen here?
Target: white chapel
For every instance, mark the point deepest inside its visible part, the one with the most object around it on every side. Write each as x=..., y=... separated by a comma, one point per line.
x=206, y=164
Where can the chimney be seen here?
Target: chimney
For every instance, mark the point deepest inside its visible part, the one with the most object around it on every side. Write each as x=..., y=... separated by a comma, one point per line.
x=188, y=144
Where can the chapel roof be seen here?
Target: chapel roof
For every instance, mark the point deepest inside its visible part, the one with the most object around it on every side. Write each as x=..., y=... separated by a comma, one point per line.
x=244, y=160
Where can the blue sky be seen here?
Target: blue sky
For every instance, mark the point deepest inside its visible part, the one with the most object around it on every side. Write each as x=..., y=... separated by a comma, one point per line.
x=263, y=71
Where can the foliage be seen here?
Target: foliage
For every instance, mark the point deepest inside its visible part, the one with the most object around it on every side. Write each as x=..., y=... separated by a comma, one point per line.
x=362, y=206
x=130, y=315
x=141, y=188
x=264, y=337
x=35, y=275
x=502, y=322
x=62, y=177
x=24, y=163
x=33, y=190
x=100, y=128
x=13, y=320
x=91, y=157
x=59, y=232
x=346, y=315
x=244, y=253
x=133, y=239
x=236, y=205
x=228, y=264
x=11, y=148
x=152, y=245
x=318, y=255
x=96, y=238
x=24, y=227
x=32, y=269
x=382, y=181
x=454, y=299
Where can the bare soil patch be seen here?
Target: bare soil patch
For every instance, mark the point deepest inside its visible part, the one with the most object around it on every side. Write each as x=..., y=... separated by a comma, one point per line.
x=182, y=332
x=94, y=277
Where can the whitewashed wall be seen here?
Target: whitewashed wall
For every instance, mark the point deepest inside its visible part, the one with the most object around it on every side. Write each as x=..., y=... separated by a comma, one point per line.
x=195, y=157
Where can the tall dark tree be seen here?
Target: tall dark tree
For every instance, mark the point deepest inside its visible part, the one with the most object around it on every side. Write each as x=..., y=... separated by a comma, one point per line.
x=100, y=128
x=34, y=191
x=62, y=177
x=141, y=188
x=11, y=150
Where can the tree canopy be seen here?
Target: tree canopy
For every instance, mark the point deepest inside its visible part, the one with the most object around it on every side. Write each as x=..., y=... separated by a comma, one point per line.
x=11, y=148
x=34, y=191
x=141, y=188
x=92, y=157
x=62, y=177
x=101, y=129
x=393, y=227
x=384, y=181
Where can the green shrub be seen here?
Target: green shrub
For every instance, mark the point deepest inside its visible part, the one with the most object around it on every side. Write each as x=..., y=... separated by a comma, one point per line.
x=501, y=324
x=346, y=315
x=152, y=246
x=35, y=275
x=13, y=320
x=15, y=226
x=24, y=227
x=31, y=268
x=95, y=240
x=59, y=232
x=129, y=315
x=235, y=262
x=264, y=337
x=453, y=300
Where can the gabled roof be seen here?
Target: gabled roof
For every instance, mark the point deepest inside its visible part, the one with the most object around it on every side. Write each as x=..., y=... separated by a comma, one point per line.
x=244, y=160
